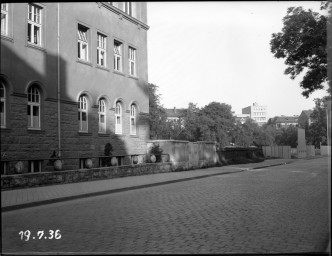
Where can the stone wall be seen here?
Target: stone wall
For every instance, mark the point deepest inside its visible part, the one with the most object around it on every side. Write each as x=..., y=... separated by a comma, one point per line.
x=20, y=143
x=187, y=155
x=61, y=177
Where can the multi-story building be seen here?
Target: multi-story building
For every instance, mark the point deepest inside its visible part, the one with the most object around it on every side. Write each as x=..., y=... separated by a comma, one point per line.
x=257, y=113
x=73, y=78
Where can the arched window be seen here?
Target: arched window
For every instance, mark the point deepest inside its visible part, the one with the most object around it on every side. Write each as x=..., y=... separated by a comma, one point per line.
x=3, y=105
x=83, y=114
x=118, y=118
x=133, y=119
x=102, y=116
x=33, y=108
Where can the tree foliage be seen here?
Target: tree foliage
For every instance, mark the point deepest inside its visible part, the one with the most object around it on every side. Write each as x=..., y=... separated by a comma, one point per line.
x=317, y=130
x=303, y=44
x=287, y=136
x=157, y=114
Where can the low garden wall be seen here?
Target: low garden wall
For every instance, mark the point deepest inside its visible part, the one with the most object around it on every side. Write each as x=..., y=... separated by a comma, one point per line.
x=71, y=176
x=185, y=155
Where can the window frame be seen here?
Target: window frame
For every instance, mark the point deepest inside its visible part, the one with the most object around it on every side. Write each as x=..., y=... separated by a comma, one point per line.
x=132, y=56
x=83, y=106
x=5, y=12
x=133, y=115
x=32, y=167
x=101, y=112
x=35, y=21
x=101, y=48
x=33, y=91
x=4, y=102
x=118, y=56
x=83, y=40
x=118, y=116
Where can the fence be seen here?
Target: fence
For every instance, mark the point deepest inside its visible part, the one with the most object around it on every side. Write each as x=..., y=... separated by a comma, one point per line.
x=277, y=151
x=325, y=150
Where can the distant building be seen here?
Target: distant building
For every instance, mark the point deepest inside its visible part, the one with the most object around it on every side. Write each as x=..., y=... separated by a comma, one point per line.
x=304, y=118
x=242, y=118
x=173, y=114
x=257, y=113
x=279, y=122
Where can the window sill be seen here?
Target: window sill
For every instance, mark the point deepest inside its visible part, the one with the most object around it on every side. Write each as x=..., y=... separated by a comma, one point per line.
x=84, y=62
x=118, y=73
x=133, y=77
x=8, y=38
x=37, y=47
x=133, y=136
x=103, y=68
x=84, y=133
x=35, y=131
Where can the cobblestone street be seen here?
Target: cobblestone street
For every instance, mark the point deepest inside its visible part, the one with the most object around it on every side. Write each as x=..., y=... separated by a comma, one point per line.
x=282, y=209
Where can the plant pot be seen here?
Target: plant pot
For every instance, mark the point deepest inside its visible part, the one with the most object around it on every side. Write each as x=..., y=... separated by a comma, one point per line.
x=88, y=163
x=153, y=158
x=114, y=161
x=135, y=159
x=58, y=165
x=19, y=167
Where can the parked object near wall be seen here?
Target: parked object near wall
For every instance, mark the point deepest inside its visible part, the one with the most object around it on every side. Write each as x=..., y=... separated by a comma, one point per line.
x=277, y=151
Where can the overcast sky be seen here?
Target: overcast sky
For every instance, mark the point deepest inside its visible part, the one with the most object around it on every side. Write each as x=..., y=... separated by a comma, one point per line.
x=219, y=51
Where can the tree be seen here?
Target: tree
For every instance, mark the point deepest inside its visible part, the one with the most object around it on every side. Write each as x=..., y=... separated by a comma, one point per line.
x=287, y=136
x=317, y=130
x=216, y=122
x=303, y=42
x=190, y=118
x=157, y=115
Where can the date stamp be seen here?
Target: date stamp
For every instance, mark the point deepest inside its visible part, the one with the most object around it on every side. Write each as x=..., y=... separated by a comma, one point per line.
x=40, y=235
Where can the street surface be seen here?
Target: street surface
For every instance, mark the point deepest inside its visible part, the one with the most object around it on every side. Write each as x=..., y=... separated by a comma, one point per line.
x=281, y=209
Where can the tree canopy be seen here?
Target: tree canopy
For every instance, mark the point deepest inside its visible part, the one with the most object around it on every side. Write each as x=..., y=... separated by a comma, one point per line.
x=303, y=44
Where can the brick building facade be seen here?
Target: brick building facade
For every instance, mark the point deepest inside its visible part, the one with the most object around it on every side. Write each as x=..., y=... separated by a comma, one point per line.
x=73, y=78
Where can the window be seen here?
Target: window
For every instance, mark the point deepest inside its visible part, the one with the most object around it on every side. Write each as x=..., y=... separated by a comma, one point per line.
x=4, y=19
x=4, y=167
x=133, y=119
x=35, y=166
x=3, y=105
x=82, y=114
x=128, y=8
x=101, y=50
x=83, y=45
x=118, y=118
x=33, y=108
x=34, y=24
x=132, y=61
x=117, y=56
x=102, y=116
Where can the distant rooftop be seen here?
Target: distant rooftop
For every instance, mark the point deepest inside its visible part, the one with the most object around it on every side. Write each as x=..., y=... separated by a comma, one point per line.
x=173, y=112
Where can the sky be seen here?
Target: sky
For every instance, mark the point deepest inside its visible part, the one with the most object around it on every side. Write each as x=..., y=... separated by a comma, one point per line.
x=202, y=52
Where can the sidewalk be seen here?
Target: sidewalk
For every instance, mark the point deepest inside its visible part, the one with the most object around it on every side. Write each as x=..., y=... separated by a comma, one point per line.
x=22, y=198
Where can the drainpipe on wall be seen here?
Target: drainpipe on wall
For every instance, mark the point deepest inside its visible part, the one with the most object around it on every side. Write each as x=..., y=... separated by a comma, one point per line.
x=59, y=120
